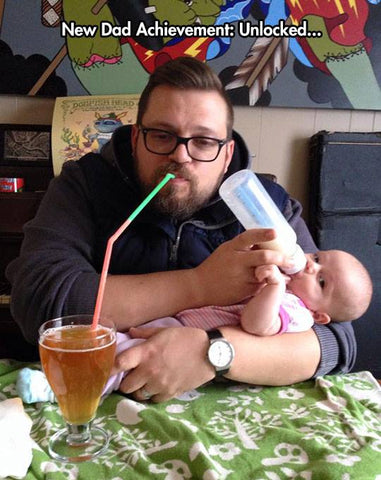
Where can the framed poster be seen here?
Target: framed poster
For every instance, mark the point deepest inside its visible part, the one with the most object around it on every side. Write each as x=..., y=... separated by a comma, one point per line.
x=25, y=144
x=85, y=124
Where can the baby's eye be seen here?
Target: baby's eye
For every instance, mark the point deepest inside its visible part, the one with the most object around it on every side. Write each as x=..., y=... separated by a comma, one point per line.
x=316, y=257
x=321, y=282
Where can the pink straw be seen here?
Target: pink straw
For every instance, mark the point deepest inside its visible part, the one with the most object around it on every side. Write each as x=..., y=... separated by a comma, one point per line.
x=110, y=243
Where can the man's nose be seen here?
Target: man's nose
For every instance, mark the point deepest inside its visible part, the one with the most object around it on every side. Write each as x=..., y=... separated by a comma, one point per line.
x=180, y=154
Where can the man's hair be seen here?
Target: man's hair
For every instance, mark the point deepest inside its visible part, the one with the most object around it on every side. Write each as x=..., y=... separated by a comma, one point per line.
x=185, y=73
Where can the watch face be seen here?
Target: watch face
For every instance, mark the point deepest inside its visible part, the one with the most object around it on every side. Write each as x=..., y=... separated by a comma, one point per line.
x=220, y=354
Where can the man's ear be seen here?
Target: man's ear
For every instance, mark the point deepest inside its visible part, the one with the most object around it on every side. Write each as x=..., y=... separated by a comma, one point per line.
x=134, y=137
x=322, y=318
x=229, y=154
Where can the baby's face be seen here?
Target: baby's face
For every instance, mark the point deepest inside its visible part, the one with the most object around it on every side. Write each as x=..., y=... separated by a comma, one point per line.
x=321, y=280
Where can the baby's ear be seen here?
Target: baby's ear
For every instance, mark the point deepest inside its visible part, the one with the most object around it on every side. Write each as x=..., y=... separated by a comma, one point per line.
x=321, y=317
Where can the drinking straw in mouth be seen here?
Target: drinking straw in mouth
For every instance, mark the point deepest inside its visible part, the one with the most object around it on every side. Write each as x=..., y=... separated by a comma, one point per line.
x=110, y=243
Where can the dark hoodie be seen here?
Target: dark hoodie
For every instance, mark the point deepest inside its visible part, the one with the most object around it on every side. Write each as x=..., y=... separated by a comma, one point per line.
x=58, y=270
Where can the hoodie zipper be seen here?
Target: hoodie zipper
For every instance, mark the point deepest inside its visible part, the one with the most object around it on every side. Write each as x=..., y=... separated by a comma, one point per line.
x=175, y=246
x=173, y=257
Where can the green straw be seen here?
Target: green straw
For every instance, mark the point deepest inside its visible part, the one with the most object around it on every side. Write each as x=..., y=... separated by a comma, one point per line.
x=149, y=197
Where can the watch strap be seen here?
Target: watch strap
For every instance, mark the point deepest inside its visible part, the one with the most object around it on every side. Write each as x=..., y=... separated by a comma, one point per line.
x=214, y=334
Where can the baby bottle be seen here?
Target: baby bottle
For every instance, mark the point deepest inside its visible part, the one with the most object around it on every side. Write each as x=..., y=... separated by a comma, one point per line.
x=252, y=205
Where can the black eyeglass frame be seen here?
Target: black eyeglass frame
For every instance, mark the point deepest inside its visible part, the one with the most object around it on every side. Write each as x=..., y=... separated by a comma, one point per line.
x=181, y=141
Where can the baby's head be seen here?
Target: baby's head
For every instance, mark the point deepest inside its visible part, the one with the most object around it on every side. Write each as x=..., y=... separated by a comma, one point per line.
x=334, y=285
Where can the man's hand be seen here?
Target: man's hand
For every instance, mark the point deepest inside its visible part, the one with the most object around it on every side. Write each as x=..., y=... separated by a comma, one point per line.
x=227, y=276
x=170, y=362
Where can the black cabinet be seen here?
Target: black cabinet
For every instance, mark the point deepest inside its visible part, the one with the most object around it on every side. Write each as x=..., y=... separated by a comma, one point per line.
x=345, y=213
x=35, y=167
x=15, y=210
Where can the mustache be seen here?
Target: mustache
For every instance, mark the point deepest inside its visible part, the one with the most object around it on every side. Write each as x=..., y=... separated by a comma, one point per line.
x=176, y=169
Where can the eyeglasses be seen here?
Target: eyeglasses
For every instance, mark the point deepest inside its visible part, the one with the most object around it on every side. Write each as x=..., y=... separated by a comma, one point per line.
x=201, y=149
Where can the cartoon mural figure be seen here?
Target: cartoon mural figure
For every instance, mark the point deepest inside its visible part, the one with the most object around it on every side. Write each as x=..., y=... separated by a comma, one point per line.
x=76, y=144
x=135, y=58
x=103, y=64
x=105, y=126
x=341, y=51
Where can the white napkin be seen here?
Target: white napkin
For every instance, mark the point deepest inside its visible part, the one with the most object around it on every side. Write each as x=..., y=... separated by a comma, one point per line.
x=15, y=442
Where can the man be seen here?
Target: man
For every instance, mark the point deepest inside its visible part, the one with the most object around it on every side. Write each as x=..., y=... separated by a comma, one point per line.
x=184, y=250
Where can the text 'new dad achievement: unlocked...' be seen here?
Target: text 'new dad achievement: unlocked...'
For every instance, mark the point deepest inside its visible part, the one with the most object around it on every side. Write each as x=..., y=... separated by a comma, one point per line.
x=242, y=28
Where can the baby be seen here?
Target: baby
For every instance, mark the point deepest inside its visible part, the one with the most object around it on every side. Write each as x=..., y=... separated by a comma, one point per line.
x=334, y=285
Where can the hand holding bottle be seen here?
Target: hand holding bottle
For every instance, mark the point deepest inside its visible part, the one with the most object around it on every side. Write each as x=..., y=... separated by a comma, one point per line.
x=252, y=205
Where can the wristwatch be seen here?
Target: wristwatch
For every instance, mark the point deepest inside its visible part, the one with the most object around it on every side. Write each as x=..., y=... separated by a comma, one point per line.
x=220, y=352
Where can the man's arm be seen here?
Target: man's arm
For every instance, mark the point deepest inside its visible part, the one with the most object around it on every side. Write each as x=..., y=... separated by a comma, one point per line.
x=273, y=360
x=174, y=360
x=224, y=278
x=292, y=213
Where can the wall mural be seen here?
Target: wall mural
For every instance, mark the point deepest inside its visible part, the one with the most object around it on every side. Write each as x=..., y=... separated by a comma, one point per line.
x=288, y=53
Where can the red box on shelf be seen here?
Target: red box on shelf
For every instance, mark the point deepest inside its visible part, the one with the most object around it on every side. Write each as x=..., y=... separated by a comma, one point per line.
x=11, y=185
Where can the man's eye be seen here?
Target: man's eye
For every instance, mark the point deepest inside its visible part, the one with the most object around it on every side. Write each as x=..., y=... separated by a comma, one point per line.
x=321, y=282
x=162, y=136
x=204, y=142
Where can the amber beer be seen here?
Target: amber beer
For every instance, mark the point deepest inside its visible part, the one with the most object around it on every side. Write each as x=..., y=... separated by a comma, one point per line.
x=77, y=361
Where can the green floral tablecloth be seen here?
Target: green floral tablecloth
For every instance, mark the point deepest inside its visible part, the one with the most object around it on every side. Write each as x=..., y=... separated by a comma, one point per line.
x=324, y=429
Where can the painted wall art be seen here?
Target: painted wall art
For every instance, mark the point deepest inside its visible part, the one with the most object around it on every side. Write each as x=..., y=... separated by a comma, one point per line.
x=282, y=53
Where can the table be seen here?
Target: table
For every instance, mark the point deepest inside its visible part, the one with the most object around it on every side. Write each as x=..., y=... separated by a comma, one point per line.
x=329, y=428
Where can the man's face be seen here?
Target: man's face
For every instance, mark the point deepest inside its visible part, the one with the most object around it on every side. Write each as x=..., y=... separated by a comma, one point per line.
x=186, y=113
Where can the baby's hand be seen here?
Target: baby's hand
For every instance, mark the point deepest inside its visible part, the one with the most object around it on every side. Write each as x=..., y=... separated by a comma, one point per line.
x=269, y=274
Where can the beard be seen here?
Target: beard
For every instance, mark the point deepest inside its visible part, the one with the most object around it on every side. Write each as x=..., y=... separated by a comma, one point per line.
x=169, y=201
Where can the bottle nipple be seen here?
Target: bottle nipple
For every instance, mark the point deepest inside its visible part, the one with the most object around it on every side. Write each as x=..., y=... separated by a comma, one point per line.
x=299, y=261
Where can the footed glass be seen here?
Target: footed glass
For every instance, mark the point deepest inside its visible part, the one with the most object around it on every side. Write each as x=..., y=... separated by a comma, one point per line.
x=77, y=361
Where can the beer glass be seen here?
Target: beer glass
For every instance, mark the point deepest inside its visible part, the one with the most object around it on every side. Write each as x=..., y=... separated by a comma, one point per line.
x=77, y=359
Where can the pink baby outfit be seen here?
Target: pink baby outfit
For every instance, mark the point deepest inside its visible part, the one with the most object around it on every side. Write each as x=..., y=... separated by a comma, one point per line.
x=294, y=315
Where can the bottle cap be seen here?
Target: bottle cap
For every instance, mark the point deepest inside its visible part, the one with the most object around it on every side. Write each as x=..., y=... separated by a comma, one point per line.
x=299, y=260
